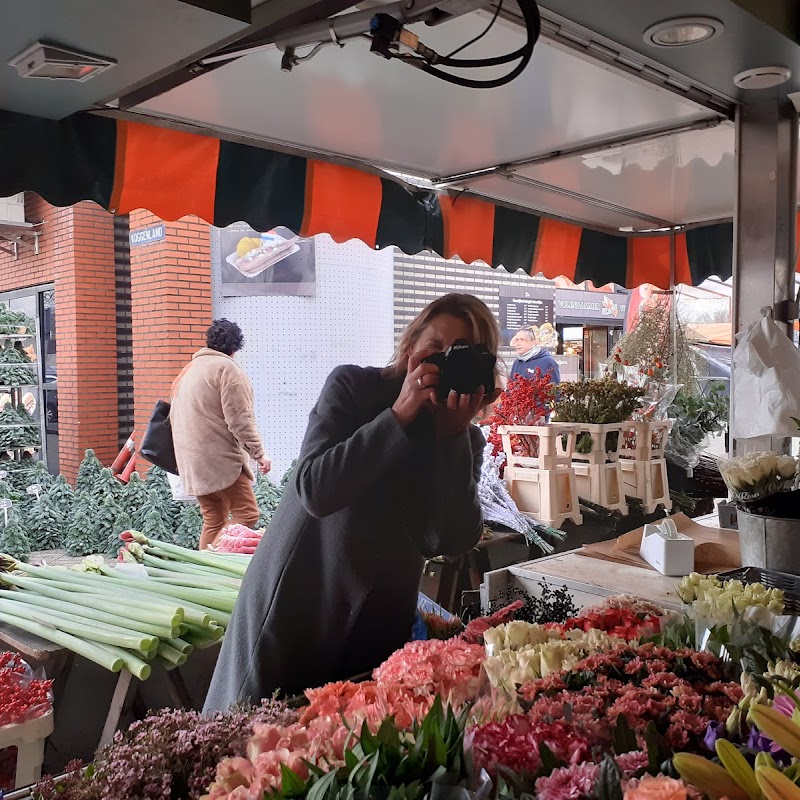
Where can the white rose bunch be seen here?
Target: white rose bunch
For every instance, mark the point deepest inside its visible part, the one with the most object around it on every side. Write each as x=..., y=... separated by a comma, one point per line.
x=758, y=475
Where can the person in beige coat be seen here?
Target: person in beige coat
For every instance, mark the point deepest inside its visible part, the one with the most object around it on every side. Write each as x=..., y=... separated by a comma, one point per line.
x=215, y=434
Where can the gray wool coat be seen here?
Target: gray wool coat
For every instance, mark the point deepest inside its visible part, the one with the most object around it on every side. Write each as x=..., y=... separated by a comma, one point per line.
x=332, y=589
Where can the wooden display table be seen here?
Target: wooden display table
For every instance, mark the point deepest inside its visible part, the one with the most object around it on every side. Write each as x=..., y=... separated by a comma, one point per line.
x=58, y=663
x=588, y=580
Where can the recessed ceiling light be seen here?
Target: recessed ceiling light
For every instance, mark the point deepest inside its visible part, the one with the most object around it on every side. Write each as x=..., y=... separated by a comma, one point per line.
x=683, y=31
x=762, y=77
x=54, y=62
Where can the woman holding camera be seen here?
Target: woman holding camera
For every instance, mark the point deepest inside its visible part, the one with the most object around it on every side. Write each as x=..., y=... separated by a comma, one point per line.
x=387, y=477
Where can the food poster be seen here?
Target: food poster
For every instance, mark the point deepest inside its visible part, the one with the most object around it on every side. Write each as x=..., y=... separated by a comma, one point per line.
x=276, y=262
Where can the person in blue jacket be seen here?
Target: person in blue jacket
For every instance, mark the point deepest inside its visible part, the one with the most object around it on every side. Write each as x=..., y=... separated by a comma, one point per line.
x=530, y=357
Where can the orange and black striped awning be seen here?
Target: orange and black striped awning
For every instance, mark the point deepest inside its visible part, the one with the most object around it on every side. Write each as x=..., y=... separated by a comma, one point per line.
x=123, y=166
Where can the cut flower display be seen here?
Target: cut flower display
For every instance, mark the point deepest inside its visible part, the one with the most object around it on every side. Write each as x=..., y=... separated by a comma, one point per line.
x=759, y=475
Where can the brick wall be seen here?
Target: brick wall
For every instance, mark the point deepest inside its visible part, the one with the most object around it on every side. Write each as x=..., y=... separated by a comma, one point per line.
x=171, y=306
x=76, y=252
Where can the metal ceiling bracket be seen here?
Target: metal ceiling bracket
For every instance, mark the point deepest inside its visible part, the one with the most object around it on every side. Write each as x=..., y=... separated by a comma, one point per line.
x=656, y=222
x=592, y=148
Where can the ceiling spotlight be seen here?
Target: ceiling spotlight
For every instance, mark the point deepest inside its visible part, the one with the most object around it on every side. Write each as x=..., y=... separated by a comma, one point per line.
x=683, y=31
x=762, y=77
x=54, y=62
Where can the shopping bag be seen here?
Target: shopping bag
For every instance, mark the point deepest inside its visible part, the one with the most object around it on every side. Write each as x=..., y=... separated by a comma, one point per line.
x=179, y=494
x=766, y=381
x=157, y=446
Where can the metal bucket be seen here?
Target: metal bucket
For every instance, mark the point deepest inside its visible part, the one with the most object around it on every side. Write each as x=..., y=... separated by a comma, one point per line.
x=770, y=543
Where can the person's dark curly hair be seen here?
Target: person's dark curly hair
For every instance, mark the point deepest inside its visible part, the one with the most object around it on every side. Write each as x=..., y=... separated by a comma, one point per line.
x=224, y=336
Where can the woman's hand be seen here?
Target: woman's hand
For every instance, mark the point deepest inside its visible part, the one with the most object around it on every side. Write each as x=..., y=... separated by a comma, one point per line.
x=418, y=390
x=454, y=416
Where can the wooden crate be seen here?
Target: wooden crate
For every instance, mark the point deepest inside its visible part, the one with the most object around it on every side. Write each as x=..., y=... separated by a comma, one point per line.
x=588, y=580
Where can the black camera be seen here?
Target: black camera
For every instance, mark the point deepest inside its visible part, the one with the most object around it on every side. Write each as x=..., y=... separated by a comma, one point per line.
x=463, y=369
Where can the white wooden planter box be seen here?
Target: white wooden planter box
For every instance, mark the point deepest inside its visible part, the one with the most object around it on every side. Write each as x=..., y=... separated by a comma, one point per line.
x=644, y=440
x=28, y=738
x=543, y=485
x=648, y=481
x=601, y=484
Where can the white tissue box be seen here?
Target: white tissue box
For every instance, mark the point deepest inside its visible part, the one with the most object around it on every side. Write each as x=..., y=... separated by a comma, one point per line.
x=666, y=550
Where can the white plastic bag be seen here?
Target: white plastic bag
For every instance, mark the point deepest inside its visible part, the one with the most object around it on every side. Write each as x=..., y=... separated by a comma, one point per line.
x=178, y=492
x=766, y=381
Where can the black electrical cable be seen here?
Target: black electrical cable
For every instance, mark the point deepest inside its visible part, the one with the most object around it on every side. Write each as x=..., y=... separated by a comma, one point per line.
x=480, y=35
x=533, y=26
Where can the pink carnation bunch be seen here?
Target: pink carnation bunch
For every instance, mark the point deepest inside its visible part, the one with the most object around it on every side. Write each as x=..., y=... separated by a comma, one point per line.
x=448, y=668
x=322, y=744
x=577, y=781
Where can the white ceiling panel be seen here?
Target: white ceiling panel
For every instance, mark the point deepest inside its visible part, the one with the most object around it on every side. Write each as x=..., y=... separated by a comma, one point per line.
x=559, y=205
x=686, y=178
x=350, y=102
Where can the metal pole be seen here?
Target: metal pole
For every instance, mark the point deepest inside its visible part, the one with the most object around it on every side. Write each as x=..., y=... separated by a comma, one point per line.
x=674, y=308
x=765, y=219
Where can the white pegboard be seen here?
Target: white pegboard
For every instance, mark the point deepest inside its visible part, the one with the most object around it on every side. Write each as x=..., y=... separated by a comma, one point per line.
x=293, y=343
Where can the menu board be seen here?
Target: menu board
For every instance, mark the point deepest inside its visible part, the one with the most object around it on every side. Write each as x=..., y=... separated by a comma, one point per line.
x=525, y=308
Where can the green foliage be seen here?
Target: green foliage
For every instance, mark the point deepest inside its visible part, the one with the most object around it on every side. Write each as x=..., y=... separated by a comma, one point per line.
x=81, y=539
x=153, y=525
x=8, y=492
x=63, y=498
x=88, y=472
x=14, y=539
x=135, y=499
x=696, y=415
x=105, y=486
x=158, y=484
x=288, y=475
x=45, y=524
x=122, y=523
x=14, y=321
x=190, y=524
x=268, y=496
x=18, y=429
x=13, y=371
x=602, y=401
x=651, y=347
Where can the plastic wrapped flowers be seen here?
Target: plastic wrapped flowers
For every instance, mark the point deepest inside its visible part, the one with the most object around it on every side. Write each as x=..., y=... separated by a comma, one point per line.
x=758, y=475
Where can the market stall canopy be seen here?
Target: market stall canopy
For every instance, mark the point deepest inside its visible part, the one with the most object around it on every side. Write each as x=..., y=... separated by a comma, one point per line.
x=583, y=166
x=124, y=166
x=711, y=333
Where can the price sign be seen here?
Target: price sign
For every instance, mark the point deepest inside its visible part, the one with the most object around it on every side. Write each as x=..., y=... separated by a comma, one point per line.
x=5, y=504
x=35, y=489
x=3, y=474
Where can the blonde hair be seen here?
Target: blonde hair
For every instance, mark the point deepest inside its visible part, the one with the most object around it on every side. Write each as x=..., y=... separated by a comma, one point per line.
x=466, y=307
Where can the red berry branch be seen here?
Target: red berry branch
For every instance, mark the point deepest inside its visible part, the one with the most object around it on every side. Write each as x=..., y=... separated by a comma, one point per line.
x=525, y=401
x=21, y=697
